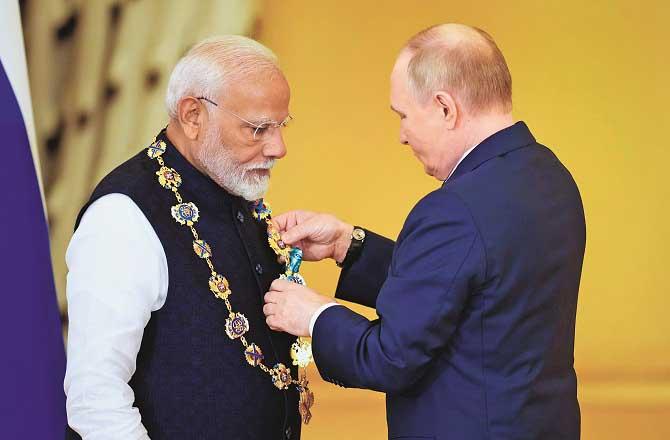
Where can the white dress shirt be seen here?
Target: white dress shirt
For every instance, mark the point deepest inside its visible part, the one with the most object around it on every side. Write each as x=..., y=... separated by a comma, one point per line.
x=118, y=275
x=320, y=310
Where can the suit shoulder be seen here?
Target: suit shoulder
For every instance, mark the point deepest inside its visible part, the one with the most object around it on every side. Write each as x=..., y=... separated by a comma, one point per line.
x=443, y=202
x=127, y=177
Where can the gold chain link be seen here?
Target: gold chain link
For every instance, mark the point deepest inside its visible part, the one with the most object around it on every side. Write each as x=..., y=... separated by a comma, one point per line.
x=283, y=253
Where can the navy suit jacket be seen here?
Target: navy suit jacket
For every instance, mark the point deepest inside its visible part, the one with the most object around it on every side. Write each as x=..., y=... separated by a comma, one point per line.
x=476, y=302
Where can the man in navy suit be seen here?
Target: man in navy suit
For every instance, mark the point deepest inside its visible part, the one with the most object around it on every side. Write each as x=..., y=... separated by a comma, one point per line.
x=477, y=297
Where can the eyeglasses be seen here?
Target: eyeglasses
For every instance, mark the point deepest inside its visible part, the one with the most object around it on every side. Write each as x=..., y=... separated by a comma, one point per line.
x=261, y=131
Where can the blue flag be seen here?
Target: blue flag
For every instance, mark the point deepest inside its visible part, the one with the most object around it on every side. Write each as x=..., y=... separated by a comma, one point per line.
x=32, y=359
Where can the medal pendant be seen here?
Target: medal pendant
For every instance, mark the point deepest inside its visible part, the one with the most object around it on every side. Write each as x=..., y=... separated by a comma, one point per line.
x=306, y=401
x=301, y=353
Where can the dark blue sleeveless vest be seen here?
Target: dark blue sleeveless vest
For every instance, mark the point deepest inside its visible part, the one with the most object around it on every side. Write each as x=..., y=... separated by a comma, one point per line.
x=192, y=381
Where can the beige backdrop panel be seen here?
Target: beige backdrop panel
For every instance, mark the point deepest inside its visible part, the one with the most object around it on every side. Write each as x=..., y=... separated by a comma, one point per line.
x=98, y=73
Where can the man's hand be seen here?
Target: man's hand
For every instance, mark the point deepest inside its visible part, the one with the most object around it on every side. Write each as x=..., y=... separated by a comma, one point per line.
x=290, y=306
x=318, y=235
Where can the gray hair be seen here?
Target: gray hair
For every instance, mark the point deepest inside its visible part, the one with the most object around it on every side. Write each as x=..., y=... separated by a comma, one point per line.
x=214, y=63
x=462, y=59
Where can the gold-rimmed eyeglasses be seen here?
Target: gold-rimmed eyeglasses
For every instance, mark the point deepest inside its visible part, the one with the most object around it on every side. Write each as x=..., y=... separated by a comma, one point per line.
x=261, y=130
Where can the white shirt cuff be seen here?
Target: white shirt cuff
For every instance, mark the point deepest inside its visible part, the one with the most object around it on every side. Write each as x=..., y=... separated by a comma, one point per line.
x=316, y=314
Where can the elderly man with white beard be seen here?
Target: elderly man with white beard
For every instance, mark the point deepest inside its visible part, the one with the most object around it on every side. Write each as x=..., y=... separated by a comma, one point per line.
x=169, y=262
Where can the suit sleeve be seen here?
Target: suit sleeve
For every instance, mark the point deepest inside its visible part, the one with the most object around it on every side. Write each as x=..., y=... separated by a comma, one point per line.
x=362, y=281
x=438, y=262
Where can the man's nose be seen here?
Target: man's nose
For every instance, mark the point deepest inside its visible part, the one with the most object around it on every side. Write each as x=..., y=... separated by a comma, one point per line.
x=276, y=148
x=403, y=138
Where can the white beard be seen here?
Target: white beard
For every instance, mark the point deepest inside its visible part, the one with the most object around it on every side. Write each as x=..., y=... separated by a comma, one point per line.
x=238, y=179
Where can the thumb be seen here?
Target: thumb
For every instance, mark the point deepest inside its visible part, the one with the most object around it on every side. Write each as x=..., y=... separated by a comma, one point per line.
x=284, y=221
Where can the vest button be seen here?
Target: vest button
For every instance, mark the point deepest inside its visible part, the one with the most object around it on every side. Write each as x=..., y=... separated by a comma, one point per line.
x=287, y=433
x=240, y=217
x=259, y=269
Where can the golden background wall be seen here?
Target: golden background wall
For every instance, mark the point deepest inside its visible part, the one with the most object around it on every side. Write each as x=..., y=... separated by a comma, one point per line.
x=591, y=80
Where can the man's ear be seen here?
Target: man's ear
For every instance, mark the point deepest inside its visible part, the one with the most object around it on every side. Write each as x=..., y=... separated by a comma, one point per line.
x=447, y=104
x=191, y=116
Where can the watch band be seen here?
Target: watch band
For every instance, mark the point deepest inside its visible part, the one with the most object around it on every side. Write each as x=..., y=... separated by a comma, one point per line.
x=355, y=248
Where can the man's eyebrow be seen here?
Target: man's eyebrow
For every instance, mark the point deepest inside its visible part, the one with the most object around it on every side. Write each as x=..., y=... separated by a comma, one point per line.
x=266, y=119
x=397, y=111
x=261, y=120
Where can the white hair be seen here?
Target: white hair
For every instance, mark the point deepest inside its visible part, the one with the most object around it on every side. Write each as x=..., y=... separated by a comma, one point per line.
x=212, y=64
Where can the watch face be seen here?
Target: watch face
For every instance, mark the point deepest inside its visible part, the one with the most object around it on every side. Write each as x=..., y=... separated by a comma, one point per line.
x=358, y=234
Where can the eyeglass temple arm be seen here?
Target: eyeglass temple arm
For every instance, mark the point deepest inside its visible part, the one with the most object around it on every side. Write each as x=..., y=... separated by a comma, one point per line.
x=208, y=100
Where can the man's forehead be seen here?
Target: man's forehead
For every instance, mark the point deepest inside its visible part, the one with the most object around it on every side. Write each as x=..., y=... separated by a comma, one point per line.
x=264, y=101
x=258, y=90
x=404, y=57
x=399, y=72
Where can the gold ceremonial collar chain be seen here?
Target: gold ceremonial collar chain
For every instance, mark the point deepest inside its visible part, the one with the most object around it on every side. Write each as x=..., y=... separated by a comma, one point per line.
x=237, y=325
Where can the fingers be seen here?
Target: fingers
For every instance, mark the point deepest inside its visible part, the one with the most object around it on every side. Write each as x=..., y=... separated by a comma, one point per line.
x=270, y=309
x=272, y=297
x=284, y=221
x=309, y=229
x=279, y=285
x=290, y=219
x=273, y=323
x=294, y=234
